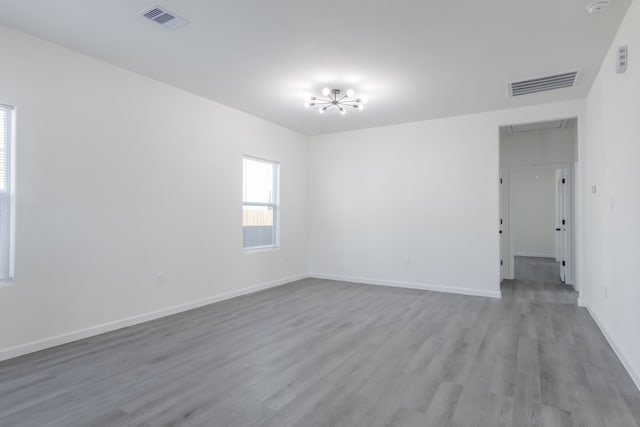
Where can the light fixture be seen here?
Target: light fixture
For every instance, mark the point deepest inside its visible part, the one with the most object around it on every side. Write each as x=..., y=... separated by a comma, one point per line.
x=333, y=100
x=597, y=7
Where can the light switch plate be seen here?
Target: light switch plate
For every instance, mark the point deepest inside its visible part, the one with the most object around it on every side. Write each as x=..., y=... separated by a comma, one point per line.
x=622, y=59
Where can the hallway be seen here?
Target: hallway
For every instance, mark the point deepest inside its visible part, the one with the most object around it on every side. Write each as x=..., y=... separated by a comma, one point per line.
x=537, y=279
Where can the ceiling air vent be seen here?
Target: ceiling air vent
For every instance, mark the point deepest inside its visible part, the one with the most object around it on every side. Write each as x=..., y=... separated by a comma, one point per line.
x=162, y=17
x=541, y=84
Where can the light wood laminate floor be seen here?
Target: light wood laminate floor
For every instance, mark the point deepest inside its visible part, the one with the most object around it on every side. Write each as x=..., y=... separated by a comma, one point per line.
x=536, y=269
x=323, y=353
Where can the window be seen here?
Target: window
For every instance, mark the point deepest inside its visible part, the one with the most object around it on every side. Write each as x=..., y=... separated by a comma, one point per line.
x=5, y=192
x=260, y=203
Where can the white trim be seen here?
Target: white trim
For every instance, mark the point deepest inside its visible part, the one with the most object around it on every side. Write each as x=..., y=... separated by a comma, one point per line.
x=409, y=285
x=12, y=191
x=534, y=255
x=9, y=245
x=33, y=346
x=274, y=204
x=509, y=277
x=634, y=376
x=568, y=173
x=581, y=302
x=254, y=249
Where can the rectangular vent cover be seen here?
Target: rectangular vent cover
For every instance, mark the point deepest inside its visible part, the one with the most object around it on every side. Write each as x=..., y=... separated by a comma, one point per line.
x=162, y=17
x=542, y=84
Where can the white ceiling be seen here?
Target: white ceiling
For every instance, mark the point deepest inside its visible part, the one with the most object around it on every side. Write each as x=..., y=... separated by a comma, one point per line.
x=413, y=59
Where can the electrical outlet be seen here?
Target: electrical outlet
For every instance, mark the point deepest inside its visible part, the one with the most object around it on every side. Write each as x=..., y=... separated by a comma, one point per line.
x=160, y=279
x=594, y=189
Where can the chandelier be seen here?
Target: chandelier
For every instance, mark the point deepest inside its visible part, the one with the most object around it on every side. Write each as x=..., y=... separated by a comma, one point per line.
x=332, y=99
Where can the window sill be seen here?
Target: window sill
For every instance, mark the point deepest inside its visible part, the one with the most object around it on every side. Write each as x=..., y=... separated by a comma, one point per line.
x=260, y=249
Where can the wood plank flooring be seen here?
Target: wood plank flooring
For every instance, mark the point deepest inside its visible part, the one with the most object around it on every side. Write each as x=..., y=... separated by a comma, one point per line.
x=323, y=353
x=536, y=269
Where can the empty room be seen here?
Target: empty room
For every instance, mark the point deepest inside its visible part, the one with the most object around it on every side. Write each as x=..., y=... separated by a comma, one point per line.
x=311, y=214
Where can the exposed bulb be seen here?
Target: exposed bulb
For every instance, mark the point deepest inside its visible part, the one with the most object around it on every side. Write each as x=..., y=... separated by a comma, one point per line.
x=326, y=91
x=360, y=106
x=308, y=101
x=350, y=93
x=342, y=110
x=363, y=100
x=322, y=110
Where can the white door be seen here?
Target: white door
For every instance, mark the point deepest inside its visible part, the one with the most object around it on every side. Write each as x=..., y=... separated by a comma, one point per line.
x=562, y=214
x=558, y=221
x=500, y=228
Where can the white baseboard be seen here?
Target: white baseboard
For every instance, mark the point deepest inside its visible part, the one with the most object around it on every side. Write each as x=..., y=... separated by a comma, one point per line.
x=409, y=285
x=632, y=373
x=33, y=346
x=582, y=303
x=508, y=277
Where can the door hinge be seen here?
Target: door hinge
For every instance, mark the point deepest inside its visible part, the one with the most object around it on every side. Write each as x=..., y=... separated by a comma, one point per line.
x=564, y=181
x=500, y=180
x=500, y=220
x=564, y=222
x=500, y=262
x=564, y=263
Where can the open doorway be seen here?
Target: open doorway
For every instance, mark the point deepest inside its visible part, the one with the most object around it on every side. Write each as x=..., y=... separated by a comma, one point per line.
x=536, y=201
x=539, y=229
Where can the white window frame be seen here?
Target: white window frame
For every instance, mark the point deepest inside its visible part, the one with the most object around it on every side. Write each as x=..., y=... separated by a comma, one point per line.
x=9, y=195
x=275, y=204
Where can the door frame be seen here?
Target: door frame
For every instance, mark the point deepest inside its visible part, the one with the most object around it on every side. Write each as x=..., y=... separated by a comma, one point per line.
x=568, y=172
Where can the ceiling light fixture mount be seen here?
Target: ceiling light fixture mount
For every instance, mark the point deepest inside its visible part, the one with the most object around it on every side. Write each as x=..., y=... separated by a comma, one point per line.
x=597, y=7
x=333, y=99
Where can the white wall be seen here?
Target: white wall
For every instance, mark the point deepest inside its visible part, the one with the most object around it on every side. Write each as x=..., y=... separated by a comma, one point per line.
x=612, y=214
x=540, y=147
x=537, y=148
x=121, y=178
x=533, y=212
x=414, y=204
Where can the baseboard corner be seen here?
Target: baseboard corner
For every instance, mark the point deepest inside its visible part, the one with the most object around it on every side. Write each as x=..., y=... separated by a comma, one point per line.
x=409, y=285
